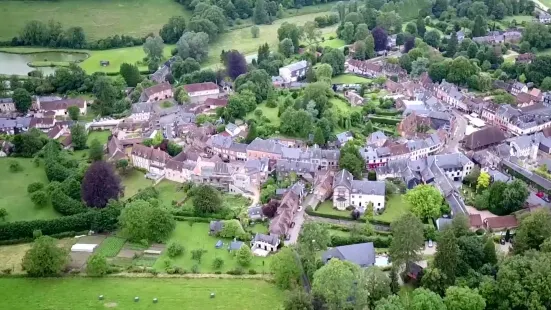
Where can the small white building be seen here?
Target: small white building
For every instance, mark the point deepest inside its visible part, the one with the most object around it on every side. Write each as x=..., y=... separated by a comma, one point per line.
x=141, y=111
x=294, y=71
x=265, y=242
x=202, y=89
x=357, y=193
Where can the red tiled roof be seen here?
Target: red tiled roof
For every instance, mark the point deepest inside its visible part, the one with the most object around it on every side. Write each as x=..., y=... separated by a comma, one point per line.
x=507, y=221
x=192, y=88
x=475, y=220
x=62, y=104
x=150, y=91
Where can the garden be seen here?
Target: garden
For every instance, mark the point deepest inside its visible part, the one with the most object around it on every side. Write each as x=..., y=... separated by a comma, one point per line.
x=182, y=294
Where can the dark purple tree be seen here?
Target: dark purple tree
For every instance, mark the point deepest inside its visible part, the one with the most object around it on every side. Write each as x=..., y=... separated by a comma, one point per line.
x=100, y=184
x=409, y=44
x=380, y=37
x=269, y=210
x=236, y=64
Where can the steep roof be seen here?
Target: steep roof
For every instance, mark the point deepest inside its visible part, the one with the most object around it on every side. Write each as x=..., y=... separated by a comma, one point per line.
x=483, y=138
x=63, y=104
x=267, y=146
x=150, y=91
x=362, y=254
x=192, y=88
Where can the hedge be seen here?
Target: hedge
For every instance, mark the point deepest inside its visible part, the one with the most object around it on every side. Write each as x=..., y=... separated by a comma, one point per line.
x=310, y=211
x=24, y=229
x=387, y=112
x=378, y=241
x=385, y=130
x=385, y=120
x=190, y=213
x=67, y=234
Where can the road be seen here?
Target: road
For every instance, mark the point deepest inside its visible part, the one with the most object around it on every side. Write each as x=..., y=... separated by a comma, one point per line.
x=299, y=219
x=541, y=5
x=452, y=146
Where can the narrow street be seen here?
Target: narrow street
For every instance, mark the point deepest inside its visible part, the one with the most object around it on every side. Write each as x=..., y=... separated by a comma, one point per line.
x=310, y=200
x=452, y=146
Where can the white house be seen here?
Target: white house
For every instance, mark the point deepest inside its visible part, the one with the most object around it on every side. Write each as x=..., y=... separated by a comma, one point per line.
x=350, y=192
x=59, y=107
x=149, y=158
x=157, y=92
x=7, y=105
x=294, y=71
x=202, y=89
x=456, y=166
x=524, y=146
x=141, y=111
x=265, y=242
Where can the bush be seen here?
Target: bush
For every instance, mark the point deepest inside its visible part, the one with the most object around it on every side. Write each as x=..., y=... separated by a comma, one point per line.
x=217, y=263
x=66, y=224
x=236, y=272
x=35, y=186
x=378, y=241
x=15, y=166
x=175, y=249
x=252, y=271
x=385, y=120
x=195, y=269
x=97, y=265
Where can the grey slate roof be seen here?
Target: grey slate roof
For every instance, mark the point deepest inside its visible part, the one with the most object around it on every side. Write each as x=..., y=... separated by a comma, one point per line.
x=255, y=212
x=297, y=65
x=267, y=146
x=368, y=187
x=455, y=160
x=235, y=245
x=270, y=239
x=143, y=107
x=215, y=226
x=362, y=254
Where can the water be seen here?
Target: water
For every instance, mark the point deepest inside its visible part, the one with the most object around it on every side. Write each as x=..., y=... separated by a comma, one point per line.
x=381, y=261
x=17, y=63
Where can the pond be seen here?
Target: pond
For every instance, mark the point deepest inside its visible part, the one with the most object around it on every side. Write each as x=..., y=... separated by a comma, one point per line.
x=17, y=63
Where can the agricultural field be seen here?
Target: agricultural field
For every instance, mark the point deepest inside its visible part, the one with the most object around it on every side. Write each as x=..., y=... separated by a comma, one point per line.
x=182, y=294
x=111, y=246
x=193, y=236
x=13, y=191
x=99, y=19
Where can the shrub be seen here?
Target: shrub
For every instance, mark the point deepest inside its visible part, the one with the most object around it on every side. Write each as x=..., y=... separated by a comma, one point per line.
x=175, y=249
x=252, y=271
x=97, y=265
x=197, y=254
x=15, y=166
x=35, y=186
x=378, y=241
x=195, y=268
x=217, y=263
x=37, y=233
x=236, y=272
x=7, y=271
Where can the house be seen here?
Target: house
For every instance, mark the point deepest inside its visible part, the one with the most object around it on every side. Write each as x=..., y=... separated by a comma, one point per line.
x=235, y=245
x=363, y=67
x=7, y=105
x=544, y=17
x=323, y=185
x=361, y=254
x=6, y=148
x=483, y=138
x=377, y=139
x=15, y=125
x=232, y=129
x=344, y=137
x=284, y=168
x=264, y=242
x=255, y=213
x=525, y=58
x=524, y=146
x=442, y=223
x=518, y=88
x=157, y=92
x=260, y=148
x=358, y=193
x=151, y=159
x=475, y=221
x=202, y=90
x=59, y=107
x=44, y=124
x=354, y=98
x=288, y=207
x=141, y=112
x=525, y=99
x=501, y=223
x=115, y=149
x=215, y=227
x=294, y=72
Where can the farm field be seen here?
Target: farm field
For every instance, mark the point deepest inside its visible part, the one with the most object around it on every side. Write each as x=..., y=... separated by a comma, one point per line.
x=193, y=236
x=13, y=191
x=99, y=19
x=181, y=294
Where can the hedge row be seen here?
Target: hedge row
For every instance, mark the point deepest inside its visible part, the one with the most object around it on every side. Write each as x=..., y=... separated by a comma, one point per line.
x=309, y=211
x=190, y=213
x=383, y=129
x=385, y=120
x=67, y=234
x=387, y=112
x=348, y=228
x=24, y=229
x=378, y=241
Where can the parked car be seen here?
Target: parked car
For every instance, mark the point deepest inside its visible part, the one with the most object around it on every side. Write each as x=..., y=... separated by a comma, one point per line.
x=292, y=224
x=502, y=241
x=430, y=243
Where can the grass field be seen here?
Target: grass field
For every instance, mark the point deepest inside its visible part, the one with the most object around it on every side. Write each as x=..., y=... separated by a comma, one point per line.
x=270, y=113
x=111, y=246
x=197, y=236
x=11, y=256
x=133, y=181
x=519, y=18
x=101, y=136
x=168, y=191
x=335, y=43
x=98, y=18
x=395, y=207
x=181, y=294
x=116, y=58
x=349, y=79
x=13, y=191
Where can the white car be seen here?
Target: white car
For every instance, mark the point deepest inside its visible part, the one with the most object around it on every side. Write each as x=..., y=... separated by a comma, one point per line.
x=430, y=243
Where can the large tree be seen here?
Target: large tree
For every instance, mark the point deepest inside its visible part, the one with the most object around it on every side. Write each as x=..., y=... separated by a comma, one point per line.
x=463, y=298
x=45, y=258
x=22, y=100
x=314, y=237
x=260, y=14
x=407, y=240
x=479, y=27
x=95, y=152
x=290, y=31
x=432, y=38
x=153, y=48
x=206, y=200
x=392, y=302
x=335, y=282
x=425, y=201
x=533, y=230
x=142, y=220
x=374, y=284
x=351, y=160
x=236, y=64
x=335, y=58
x=193, y=44
x=380, y=38
x=285, y=269
x=424, y=299
x=100, y=184
x=29, y=143
x=79, y=136
x=173, y=29
x=130, y=74
x=447, y=255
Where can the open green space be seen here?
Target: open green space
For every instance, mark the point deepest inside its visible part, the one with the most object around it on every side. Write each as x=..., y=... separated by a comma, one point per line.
x=519, y=18
x=111, y=246
x=270, y=113
x=395, y=207
x=101, y=136
x=181, y=294
x=195, y=236
x=116, y=57
x=335, y=43
x=344, y=107
x=98, y=18
x=170, y=191
x=13, y=191
x=349, y=79
x=134, y=181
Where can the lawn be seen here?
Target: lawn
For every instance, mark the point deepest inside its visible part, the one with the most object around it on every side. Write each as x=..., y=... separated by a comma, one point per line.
x=111, y=246
x=394, y=208
x=519, y=18
x=101, y=136
x=98, y=18
x=133, y=181
x=335, y=43
x=13, y=191
x=196, y=236
x=168, y=192
x=344, y=107
x=270, y=113
x=326, y=207
x=182, y=294
x=116, y=58
x=349, y=79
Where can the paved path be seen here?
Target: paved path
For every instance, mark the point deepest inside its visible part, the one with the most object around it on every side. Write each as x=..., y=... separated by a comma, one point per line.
x=310, y=200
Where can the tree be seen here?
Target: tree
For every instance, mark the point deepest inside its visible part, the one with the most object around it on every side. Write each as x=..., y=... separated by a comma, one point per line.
x=347, y=33
x=390, y=21
x=260, y=84
x=392, y=302
x=255, y=31
x=335, y=283
x=39, y=198
x=244, y=256
x=97, y=266
x=546, y=84
x=460, y=70
x=314, y=237
x=290, y=31
x=206, y=200
x=141, y=220
x=362, y=32
x=433, y=279
x=236, y=65
x=3, y=213
x=421, y=29
x=22, y=100
x=105, y=93
x=311, y=32
x=193, y=44
x=375, y=283
x=298, y=300
x=369, y=46
x=122, y=165
x=172, y=30
x=130, y=74
x=286, y=47
x=479, y=28
x=439, y=7
x=260, y=14
x=407, y=241
x=532, y=231
x=351, y=163
x=324, y=72
x=319, y=138
x=285, y=269
x=405, y=62
x=432, y=38
x=463, y=298
x=447, y=255
x=240, y=104
x=451, y=49
x=153, y=48
x=74, y=113
x=537, y=35
x=95, y=152
x=100, y=184
x=411, y=28
x=45, y=258
x=335, y=58
x=425, y=201
x=380, y=38
x=424, y=299
x=490, y=255
x=79, y=137
x=419, y=66
x=394, y=283
x=483, y=181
